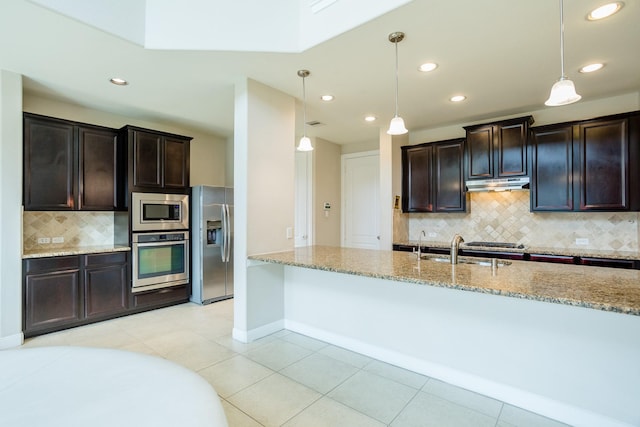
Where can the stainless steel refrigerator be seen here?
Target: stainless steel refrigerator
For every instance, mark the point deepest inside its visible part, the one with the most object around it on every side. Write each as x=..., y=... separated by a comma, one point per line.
x=211, y=243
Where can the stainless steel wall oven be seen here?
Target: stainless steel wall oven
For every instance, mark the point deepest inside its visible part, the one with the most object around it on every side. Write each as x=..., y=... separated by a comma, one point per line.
x=159, y=260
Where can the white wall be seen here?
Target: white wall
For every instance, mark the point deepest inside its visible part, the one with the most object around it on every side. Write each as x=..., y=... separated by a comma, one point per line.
x=264, y=171
x=229, y=163
x=10, y=209
x=359, y=147
x=326, y=184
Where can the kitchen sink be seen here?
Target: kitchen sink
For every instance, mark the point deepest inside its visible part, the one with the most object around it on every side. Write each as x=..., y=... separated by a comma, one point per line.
x=466, y=260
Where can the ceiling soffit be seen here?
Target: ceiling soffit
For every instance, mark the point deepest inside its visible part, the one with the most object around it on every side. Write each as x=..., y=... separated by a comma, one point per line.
x=240, y=25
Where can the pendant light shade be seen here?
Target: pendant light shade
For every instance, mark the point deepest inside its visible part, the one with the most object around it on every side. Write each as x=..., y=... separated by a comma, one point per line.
x=305, y=142
x=396, y=127
x=563, y=92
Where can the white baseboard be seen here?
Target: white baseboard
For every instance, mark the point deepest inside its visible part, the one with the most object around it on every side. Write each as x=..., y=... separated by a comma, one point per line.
x=257, y=333
x=523, y=399
x=11, y=341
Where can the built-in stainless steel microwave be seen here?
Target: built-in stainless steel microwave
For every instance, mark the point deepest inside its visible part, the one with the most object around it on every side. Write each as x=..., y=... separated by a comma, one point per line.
x=156, y=211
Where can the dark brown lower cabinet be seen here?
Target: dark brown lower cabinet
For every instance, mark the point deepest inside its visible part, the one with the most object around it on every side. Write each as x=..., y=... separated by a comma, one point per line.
x=67, y=291
x=51, y=294
x=105, y=284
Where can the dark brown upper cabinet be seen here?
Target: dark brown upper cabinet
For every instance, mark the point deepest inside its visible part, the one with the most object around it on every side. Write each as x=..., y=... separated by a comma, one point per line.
x=101, y=169
x=433, y=177
x=71, y=166
x=592, y=165
x=157, y=161
x=498, y=149
x=552, y=168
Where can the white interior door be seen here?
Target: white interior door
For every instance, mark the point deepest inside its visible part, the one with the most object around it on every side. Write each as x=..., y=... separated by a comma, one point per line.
x=303, y=199
x=361, y=200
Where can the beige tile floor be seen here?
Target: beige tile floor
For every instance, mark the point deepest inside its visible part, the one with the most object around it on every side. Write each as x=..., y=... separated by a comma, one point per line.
x=288, y=379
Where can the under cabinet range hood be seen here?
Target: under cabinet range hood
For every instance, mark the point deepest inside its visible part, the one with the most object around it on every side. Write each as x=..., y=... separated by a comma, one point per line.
x=498, y=184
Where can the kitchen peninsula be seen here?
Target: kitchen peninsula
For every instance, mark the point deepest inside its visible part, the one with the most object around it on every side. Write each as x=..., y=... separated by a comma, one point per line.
x=560, y=340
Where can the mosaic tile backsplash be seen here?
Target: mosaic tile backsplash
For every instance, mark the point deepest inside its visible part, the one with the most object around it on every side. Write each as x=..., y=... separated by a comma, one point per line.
x=76, y=228
x=505, y=217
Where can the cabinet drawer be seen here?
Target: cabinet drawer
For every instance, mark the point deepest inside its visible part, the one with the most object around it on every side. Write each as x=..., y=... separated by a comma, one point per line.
x=403, y=248
x=492, y=254
x=559, y=259
x=92, y=260
x=161, y=296
x=39, y=265
x=606, y=262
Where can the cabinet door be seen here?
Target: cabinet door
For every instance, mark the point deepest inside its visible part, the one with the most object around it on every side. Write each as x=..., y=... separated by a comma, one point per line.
x=49, y=160
x=416, y=179
x=176, y=163
x=480, y=152
x=105, y=290
x=52, y=300
x=512, y=150
x=147, y=159
x=552, y=168
x=603, y=148
x=450, y=193
x=106, y=284
x=98, y=169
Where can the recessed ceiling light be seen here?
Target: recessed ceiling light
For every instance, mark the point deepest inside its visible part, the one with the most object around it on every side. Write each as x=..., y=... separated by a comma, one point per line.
x=457, y=98
x=118, y=81
x=370, y=118
x=428, y=66
x=591, y=68
x=605, y=11
x=327, y=98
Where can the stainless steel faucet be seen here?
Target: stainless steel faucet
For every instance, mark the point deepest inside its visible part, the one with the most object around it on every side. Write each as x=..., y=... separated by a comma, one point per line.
x=455, y=245
x=417, y=252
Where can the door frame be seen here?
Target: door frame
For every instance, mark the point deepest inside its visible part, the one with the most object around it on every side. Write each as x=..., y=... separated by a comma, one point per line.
x=308, y=203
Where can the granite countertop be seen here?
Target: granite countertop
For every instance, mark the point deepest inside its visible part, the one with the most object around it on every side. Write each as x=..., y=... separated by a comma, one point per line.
x=601, y=288
x=595, y=253
x=78, y=250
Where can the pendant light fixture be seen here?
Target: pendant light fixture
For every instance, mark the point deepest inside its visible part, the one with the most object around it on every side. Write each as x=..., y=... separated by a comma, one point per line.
x=305, y=142
x=563, y=91
x=396, y=127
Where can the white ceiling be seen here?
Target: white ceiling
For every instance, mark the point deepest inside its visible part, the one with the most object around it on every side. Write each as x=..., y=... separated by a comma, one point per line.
x=503, y=54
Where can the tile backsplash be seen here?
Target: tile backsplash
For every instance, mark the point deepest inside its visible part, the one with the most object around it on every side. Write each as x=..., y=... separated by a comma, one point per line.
x=76, y=228
x=505, y=217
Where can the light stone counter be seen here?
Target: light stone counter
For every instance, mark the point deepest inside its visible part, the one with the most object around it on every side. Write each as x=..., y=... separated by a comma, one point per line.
x=601, y=288
x=78, y=250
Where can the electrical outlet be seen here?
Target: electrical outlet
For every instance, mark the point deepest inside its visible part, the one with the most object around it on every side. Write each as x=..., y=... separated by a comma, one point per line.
x=289, y=233
x=582, y=241
x=432, y=234
x=43, y=240
x=57, y=240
